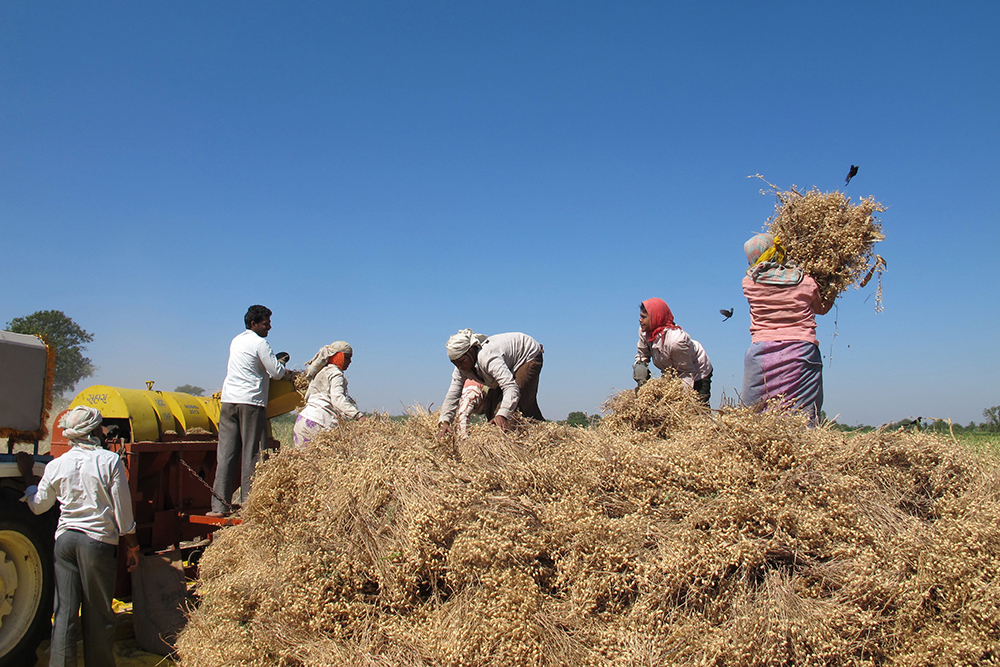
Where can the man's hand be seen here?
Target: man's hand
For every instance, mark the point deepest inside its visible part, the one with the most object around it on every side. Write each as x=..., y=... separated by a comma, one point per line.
x=444, y=428
x=131, y=551
x=25, y=464
x=500, y=421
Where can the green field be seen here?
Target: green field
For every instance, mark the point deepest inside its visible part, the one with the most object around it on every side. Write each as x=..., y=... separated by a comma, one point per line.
x=986, y=443
x=281, y=429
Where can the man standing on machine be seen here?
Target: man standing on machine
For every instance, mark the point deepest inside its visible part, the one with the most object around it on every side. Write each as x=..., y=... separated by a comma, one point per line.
x=243, y=414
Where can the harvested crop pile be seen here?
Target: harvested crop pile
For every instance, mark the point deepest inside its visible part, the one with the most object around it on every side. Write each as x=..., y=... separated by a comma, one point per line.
x=657, y=407
x=830, y=238
x=737, y=539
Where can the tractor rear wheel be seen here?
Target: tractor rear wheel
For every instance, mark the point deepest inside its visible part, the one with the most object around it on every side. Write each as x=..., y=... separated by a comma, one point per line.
x=26, y=585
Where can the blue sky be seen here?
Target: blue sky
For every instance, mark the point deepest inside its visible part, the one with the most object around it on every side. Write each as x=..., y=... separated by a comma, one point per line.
x=390, y=172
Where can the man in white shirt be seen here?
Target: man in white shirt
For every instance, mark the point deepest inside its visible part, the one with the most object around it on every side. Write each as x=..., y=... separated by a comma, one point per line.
x=508, y=364
x=95, y=512
x=243, y=413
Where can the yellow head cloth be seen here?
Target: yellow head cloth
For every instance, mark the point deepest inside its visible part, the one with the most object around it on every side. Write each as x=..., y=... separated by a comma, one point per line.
x=776, y=253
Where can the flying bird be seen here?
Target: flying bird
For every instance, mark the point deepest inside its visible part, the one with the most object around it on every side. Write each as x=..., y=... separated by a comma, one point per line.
x=727, y=313
x=851, y=174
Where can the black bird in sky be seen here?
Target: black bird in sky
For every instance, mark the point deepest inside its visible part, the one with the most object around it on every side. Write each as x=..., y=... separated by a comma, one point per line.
x=851, y=174
x=727, y=313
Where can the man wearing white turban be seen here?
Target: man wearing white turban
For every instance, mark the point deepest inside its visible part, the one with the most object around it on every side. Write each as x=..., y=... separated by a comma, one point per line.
x=508, y=364
x=95, y=513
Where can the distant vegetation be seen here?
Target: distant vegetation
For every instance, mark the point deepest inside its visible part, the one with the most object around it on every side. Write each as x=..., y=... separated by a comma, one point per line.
x=582, y=420
x=991, y=425
x=67, y=338
x=983, y=437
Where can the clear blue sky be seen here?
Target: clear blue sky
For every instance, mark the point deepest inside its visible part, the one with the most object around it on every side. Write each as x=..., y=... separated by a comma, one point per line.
x=390, y=172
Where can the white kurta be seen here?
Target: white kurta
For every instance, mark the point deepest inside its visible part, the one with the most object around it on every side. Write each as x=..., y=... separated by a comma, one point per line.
x=92, y=490
x=251, y=362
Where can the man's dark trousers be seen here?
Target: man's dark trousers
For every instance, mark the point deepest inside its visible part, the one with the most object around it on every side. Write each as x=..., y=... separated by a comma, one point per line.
x=242, y=429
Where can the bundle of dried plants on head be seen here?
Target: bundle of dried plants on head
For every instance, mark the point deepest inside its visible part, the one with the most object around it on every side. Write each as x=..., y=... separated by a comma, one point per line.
x=830, y=238
x=740, y=539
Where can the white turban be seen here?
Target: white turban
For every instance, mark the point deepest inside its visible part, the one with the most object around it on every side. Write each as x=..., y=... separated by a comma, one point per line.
x=78, y=423
x=322, y=358
x=462, y=342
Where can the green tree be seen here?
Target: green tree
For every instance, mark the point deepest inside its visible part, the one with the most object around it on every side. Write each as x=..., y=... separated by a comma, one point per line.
x=992, y=415
x=578, y=419
x=194, y=390
x=68, y=340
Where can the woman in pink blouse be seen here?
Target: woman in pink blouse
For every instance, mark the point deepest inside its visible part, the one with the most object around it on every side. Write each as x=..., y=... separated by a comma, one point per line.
x=783, y=362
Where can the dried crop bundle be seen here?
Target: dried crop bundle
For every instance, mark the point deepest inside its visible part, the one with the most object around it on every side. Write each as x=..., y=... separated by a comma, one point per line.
x=657, y=407
x=830, y=238
x=740, y=539
x=301, y=383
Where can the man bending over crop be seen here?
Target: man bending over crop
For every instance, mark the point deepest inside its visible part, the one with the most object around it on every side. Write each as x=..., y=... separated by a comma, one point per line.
x=243, y=413
x=508, y=364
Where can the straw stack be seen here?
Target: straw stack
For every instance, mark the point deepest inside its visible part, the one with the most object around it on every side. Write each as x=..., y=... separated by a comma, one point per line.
x=737, y=539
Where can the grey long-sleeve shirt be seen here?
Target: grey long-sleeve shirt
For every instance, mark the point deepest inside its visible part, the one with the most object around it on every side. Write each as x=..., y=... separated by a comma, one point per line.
x=498, y=359
x=327, y=399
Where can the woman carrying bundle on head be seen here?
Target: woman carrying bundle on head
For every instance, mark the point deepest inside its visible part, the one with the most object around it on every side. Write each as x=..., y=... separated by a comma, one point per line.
x=783, y=362
x=661, y=340
x=326, y=399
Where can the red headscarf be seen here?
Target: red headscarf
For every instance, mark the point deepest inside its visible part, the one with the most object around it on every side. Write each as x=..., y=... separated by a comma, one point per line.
x=660, y=317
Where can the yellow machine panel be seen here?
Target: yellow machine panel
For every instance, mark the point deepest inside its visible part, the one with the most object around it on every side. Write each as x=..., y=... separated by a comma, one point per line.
x=151, y=413
x=163, y=412
x=118, y=403
x=282, y=398
x=212, y=407
x=189, y=412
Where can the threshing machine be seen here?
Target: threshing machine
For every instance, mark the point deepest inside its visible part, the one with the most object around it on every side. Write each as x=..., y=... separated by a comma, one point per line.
x=168, y=443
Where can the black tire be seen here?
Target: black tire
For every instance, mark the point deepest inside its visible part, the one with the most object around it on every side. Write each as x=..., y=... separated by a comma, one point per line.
x=27, y=583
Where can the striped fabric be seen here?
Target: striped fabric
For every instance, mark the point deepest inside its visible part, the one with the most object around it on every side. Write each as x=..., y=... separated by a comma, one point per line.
x=789, y=371
x=471, y=403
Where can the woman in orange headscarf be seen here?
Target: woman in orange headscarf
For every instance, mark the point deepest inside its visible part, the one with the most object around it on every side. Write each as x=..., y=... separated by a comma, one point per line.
x=668, y=346
x=327, y=399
